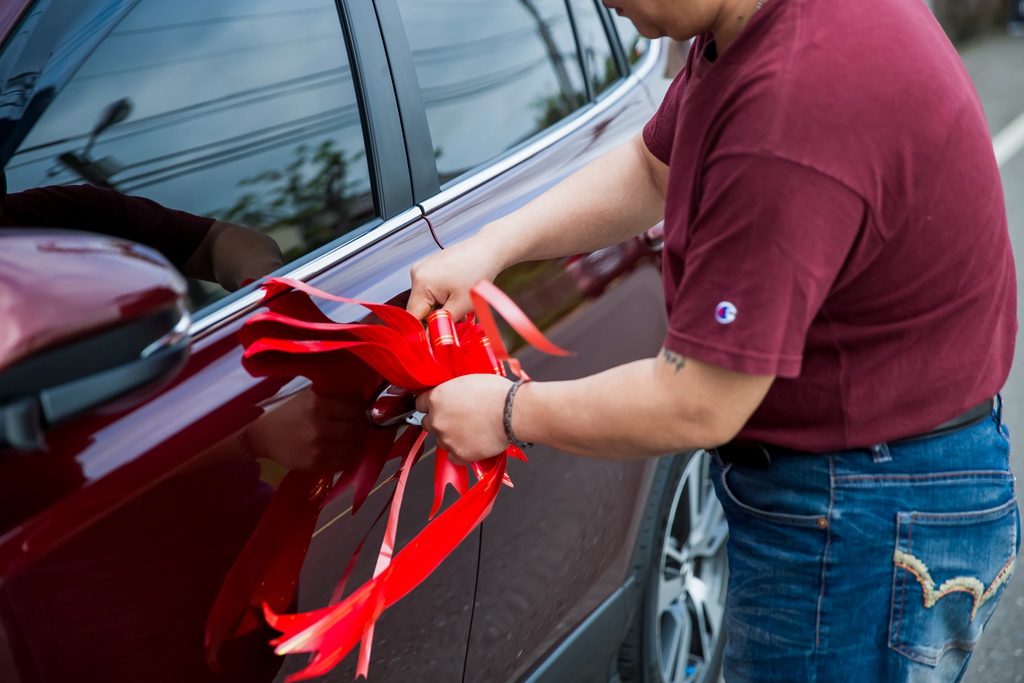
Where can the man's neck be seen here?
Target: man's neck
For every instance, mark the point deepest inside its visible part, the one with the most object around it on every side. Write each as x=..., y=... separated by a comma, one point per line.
x=733, y=19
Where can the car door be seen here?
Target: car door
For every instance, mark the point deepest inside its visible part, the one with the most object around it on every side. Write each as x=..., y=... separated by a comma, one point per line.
x=516, y=95
x=117, y=537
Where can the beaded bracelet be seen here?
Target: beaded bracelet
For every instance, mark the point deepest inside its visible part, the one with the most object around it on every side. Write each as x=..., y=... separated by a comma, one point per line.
x=507, y=421
x=245, y=445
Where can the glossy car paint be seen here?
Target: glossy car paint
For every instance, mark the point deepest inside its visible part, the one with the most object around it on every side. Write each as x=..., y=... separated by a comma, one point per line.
x=118, y=537
x=55, y=286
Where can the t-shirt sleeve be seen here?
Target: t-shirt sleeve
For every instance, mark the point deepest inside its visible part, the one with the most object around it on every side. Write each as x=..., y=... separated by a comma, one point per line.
x=659, y=132
x=768, y=241
x=175, y=234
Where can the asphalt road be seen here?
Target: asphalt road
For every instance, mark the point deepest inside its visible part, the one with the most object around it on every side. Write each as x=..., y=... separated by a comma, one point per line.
x=996, y=64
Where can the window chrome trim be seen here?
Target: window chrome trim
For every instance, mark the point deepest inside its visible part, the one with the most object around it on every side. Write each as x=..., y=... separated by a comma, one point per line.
x=178, y=335
x=641, y=70
x=305, y=272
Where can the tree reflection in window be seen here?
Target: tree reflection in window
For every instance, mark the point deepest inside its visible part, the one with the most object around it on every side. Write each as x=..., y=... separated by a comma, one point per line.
x=310, y=202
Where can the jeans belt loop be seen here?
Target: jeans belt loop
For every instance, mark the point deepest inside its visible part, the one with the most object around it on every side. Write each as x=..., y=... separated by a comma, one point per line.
x=880, y=453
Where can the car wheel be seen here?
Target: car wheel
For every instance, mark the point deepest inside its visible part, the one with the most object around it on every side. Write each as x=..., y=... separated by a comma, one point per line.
x=678, y=634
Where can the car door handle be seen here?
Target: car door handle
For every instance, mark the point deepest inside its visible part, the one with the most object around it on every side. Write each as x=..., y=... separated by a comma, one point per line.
x=654, y=239
x=393, y=405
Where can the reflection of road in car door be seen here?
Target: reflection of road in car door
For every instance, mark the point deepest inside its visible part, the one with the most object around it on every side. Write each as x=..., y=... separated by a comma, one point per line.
x=559, y=544
x=119, y=536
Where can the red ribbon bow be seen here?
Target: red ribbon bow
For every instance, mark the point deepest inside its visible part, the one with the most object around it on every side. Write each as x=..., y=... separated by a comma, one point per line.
x=295, y=338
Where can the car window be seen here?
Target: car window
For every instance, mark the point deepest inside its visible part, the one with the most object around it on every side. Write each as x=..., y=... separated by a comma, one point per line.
x=240, y=110
x=633, y=43
x=492, y=73
x=594, y=46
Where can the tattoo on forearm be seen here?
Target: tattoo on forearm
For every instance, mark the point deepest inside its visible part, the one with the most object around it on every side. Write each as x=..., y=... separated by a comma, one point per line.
x=678, y=360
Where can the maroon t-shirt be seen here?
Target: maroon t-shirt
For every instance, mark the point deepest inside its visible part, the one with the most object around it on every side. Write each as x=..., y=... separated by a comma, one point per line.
x=175, y=234
x=835, y=217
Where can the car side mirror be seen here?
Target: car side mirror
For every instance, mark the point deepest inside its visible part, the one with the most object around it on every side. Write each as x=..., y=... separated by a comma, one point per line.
x=84, y=320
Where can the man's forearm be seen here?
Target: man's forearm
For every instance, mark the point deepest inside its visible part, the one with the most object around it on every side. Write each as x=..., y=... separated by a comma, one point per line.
x=646, y=408
x=615, y=197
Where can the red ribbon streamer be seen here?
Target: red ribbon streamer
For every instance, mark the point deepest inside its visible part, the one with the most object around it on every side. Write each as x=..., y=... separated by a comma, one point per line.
x=295, y=338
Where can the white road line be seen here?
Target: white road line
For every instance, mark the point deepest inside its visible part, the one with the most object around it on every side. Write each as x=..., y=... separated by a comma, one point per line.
x=1009, y=141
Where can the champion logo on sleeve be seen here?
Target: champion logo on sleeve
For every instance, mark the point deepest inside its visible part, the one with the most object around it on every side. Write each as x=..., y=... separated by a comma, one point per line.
x=725, y=313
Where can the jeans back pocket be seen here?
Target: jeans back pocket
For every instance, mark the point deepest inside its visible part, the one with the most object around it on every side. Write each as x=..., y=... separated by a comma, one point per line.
x=949, y=572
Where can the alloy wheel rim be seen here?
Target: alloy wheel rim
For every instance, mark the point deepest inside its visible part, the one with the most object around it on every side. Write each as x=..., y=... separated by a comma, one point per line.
x=692, y=577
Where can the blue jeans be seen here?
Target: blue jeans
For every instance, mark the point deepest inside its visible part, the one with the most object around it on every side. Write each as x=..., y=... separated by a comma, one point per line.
x=878, y=564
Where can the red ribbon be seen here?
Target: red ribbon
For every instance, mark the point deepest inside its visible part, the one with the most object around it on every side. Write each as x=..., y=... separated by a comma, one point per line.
x=295, y=338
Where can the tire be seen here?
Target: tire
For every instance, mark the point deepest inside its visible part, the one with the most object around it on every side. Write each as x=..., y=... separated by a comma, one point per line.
x=681, y=565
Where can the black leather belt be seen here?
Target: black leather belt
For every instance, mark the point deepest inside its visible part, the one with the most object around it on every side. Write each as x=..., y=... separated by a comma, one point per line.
x=745, y=453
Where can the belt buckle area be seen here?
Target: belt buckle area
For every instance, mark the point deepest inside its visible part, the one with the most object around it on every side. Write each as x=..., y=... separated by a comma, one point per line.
x=742, y=453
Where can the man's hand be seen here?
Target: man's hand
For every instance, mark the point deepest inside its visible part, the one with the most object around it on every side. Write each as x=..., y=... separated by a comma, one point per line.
x=445, y=278
x=231, y=255
x=466, y=416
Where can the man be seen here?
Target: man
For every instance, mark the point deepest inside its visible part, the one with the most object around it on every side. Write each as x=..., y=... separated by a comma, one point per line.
x=841, y=299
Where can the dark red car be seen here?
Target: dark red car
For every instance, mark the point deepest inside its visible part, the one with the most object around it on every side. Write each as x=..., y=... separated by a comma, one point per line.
x=361, y=135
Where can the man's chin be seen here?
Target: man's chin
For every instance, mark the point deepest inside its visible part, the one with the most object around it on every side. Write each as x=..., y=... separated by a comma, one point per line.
x=650, y=32
x=646, y=30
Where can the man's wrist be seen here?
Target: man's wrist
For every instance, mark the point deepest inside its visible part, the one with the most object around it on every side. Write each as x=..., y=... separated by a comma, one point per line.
x=496, y=248
x=245, y=445
x=510, y=433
